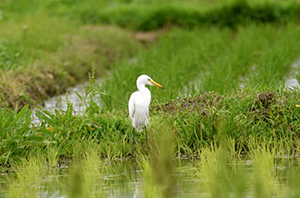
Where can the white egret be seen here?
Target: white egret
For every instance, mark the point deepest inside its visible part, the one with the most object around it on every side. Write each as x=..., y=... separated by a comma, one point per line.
x=139, y=105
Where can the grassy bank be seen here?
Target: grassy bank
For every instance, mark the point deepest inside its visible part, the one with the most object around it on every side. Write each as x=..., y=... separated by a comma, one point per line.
x=43, y=55
x=195, y=123
x=231, y=85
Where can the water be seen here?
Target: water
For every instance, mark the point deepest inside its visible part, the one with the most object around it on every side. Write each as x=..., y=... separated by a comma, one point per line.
x=60, y=102
x=116, y=180
x=291, y=81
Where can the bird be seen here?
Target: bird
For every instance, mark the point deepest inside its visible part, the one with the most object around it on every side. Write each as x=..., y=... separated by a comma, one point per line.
x=138, y=105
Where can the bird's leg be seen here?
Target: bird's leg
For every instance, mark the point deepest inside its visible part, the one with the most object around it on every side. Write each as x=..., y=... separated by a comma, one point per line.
x=146, y=137
x=132, y=153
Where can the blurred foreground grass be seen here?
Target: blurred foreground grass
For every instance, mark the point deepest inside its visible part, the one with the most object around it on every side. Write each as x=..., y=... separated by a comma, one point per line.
x=218, y=172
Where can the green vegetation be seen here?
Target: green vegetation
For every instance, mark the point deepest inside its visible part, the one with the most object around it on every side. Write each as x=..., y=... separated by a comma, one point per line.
x=223, y=64
x=149, y=15
x=43, y=55
x=209, y=59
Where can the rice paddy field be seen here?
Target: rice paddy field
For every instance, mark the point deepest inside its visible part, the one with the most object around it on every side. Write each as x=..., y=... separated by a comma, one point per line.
x=226, y=124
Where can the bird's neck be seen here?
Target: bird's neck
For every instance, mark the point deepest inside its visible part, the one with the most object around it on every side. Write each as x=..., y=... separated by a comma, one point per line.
x=143, y=89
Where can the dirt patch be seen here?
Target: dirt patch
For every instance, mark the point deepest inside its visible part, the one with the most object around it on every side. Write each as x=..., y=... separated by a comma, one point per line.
x=261, y=107
x=195, y=103
x=146, y=37
x=265, y=99
x=150, y=37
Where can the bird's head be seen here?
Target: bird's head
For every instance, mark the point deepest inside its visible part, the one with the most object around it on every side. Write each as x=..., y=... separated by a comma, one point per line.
x=146, y=80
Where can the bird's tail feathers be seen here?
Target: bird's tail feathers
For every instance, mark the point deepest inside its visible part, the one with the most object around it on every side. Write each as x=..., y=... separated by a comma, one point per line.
x=139, y=129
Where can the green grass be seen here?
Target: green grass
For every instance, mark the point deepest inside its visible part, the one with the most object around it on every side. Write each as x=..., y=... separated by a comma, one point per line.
x=208, y=59
x=149, y=15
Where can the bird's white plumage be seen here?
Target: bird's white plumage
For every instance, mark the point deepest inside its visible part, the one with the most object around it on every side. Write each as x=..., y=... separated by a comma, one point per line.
x=139, y=109
x=139, y=102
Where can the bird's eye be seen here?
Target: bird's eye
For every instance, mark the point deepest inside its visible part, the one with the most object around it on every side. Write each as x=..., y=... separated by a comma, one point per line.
x=149, y=79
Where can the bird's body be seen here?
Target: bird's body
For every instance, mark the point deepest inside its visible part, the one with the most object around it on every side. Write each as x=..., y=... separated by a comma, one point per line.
x=139, y=104
x=139, y=107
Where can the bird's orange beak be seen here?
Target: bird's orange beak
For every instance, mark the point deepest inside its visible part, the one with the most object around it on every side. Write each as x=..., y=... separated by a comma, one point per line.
x=156, y=84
